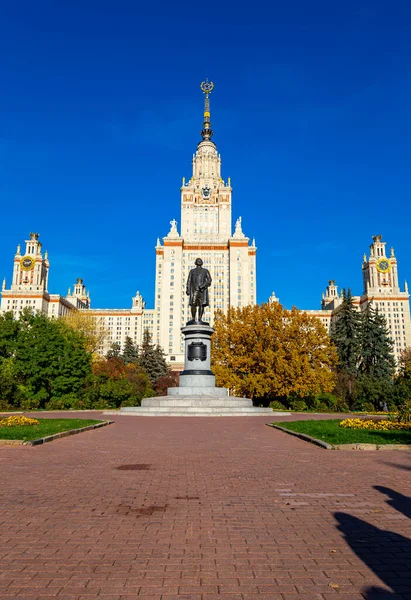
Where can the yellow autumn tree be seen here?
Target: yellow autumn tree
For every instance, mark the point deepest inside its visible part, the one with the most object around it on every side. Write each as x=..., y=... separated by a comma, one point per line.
x=93, y=329
x=267, y=352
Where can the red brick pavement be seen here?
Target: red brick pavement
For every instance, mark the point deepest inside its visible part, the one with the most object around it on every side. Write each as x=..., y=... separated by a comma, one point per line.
x=204, y=509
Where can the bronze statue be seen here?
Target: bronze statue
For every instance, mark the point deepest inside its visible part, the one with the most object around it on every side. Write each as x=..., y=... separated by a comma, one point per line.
x=198, y=282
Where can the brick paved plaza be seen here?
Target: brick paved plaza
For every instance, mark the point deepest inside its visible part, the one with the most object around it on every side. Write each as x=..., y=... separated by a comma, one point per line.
x=200, y=509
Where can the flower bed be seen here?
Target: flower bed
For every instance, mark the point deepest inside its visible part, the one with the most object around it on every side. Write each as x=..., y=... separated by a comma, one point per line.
x=18, y=427
x=18, y=421
x=329, y=430
x=375, y=425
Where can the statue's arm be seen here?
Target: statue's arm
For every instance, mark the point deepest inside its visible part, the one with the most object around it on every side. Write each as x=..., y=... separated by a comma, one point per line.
x=188, y=287
x=208, y=279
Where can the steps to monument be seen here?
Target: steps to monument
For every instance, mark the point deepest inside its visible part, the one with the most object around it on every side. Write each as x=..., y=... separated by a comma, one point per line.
x=196, y=406
x=192, y=411
x=193, y=401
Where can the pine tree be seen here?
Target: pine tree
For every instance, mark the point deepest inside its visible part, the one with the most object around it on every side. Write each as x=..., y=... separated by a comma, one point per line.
x=152, y=359
x=130, y=351
x=114, y=350
x=377, y=359
x=346, y=334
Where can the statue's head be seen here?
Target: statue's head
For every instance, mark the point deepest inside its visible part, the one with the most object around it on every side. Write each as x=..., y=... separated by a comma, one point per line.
x=198, y=262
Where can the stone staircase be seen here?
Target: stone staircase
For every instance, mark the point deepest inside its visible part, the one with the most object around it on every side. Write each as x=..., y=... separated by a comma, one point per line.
x=194, y=406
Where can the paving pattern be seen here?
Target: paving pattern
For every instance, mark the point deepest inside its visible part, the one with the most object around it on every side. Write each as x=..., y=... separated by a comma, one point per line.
x=202, y=509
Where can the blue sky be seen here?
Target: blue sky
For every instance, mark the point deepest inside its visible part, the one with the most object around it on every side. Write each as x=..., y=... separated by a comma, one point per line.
x=100, y=112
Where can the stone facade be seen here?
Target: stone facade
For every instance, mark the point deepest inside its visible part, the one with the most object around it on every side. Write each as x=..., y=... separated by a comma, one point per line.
x=381, y=287
x=206, y=232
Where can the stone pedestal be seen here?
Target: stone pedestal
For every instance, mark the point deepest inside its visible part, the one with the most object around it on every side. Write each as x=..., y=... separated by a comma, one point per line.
x=197, y=378
x=197, y=394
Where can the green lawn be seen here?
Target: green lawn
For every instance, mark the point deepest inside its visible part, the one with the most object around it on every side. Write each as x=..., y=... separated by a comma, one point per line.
x=329, y=431
x=45, y=428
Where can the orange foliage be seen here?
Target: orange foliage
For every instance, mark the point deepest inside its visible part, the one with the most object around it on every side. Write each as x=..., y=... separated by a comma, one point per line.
x=268, y=351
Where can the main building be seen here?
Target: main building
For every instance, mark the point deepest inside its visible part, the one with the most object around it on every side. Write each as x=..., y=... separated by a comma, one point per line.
x=205, y=231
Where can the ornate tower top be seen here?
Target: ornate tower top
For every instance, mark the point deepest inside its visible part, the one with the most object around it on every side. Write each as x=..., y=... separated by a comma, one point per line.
x=207, y=87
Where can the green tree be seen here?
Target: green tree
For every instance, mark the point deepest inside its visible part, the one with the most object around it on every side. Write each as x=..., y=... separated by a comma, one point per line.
x=9, y=330
x=114, y=351
x=9, y=391
x=379, y=391
x=346, y=335
x=377, y=358
x=115, y=383
x=130, y=351
x=50, y=359
x=151, y=358
x=402, y=381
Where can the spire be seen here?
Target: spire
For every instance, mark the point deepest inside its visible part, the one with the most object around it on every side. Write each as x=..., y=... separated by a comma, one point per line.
x=207, y=87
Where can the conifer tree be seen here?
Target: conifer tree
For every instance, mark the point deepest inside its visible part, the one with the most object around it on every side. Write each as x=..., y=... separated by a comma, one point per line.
x=130, y=351
x=377, y=359
x=114, y=350
x=346, y=334
x=152, y=359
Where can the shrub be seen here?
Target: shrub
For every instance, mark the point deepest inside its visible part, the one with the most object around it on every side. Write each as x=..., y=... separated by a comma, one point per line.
x=404, y=412
x=330, y=400
x=4, y=405
x=165, y=382
x=29, y=403
x=298, y=405
x=363, y=406
x=58, y=404
x=342, y=406
x=131, y=402
x=276, y=405
x=320, y=406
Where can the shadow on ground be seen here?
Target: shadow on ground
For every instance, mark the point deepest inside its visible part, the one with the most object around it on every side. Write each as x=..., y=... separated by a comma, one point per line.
x=402, y=467
x=398, y=501
x=386, y=553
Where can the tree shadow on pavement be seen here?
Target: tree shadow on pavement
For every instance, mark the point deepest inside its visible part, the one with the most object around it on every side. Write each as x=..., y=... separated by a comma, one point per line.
x=398, y=501
x=397, y=466
x=386, y=553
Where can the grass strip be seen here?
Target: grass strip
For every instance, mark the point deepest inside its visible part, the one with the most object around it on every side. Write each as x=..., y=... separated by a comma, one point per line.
x=45, y=428
x=329, y=431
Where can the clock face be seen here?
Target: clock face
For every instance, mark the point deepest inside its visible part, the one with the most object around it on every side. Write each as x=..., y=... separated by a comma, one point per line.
x=206, y=192
x=27, y=263
x=383, y=265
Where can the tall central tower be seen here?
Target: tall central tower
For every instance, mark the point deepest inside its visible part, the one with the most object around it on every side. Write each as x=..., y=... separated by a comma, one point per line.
x=206, y=232
x=206, y=198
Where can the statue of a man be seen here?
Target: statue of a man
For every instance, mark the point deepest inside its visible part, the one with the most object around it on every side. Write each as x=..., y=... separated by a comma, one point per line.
x=198, y=282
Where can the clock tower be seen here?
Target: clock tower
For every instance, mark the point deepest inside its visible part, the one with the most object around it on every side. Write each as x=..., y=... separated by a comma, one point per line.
x=31, y=269
x=382, y=289
x=380, y=273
